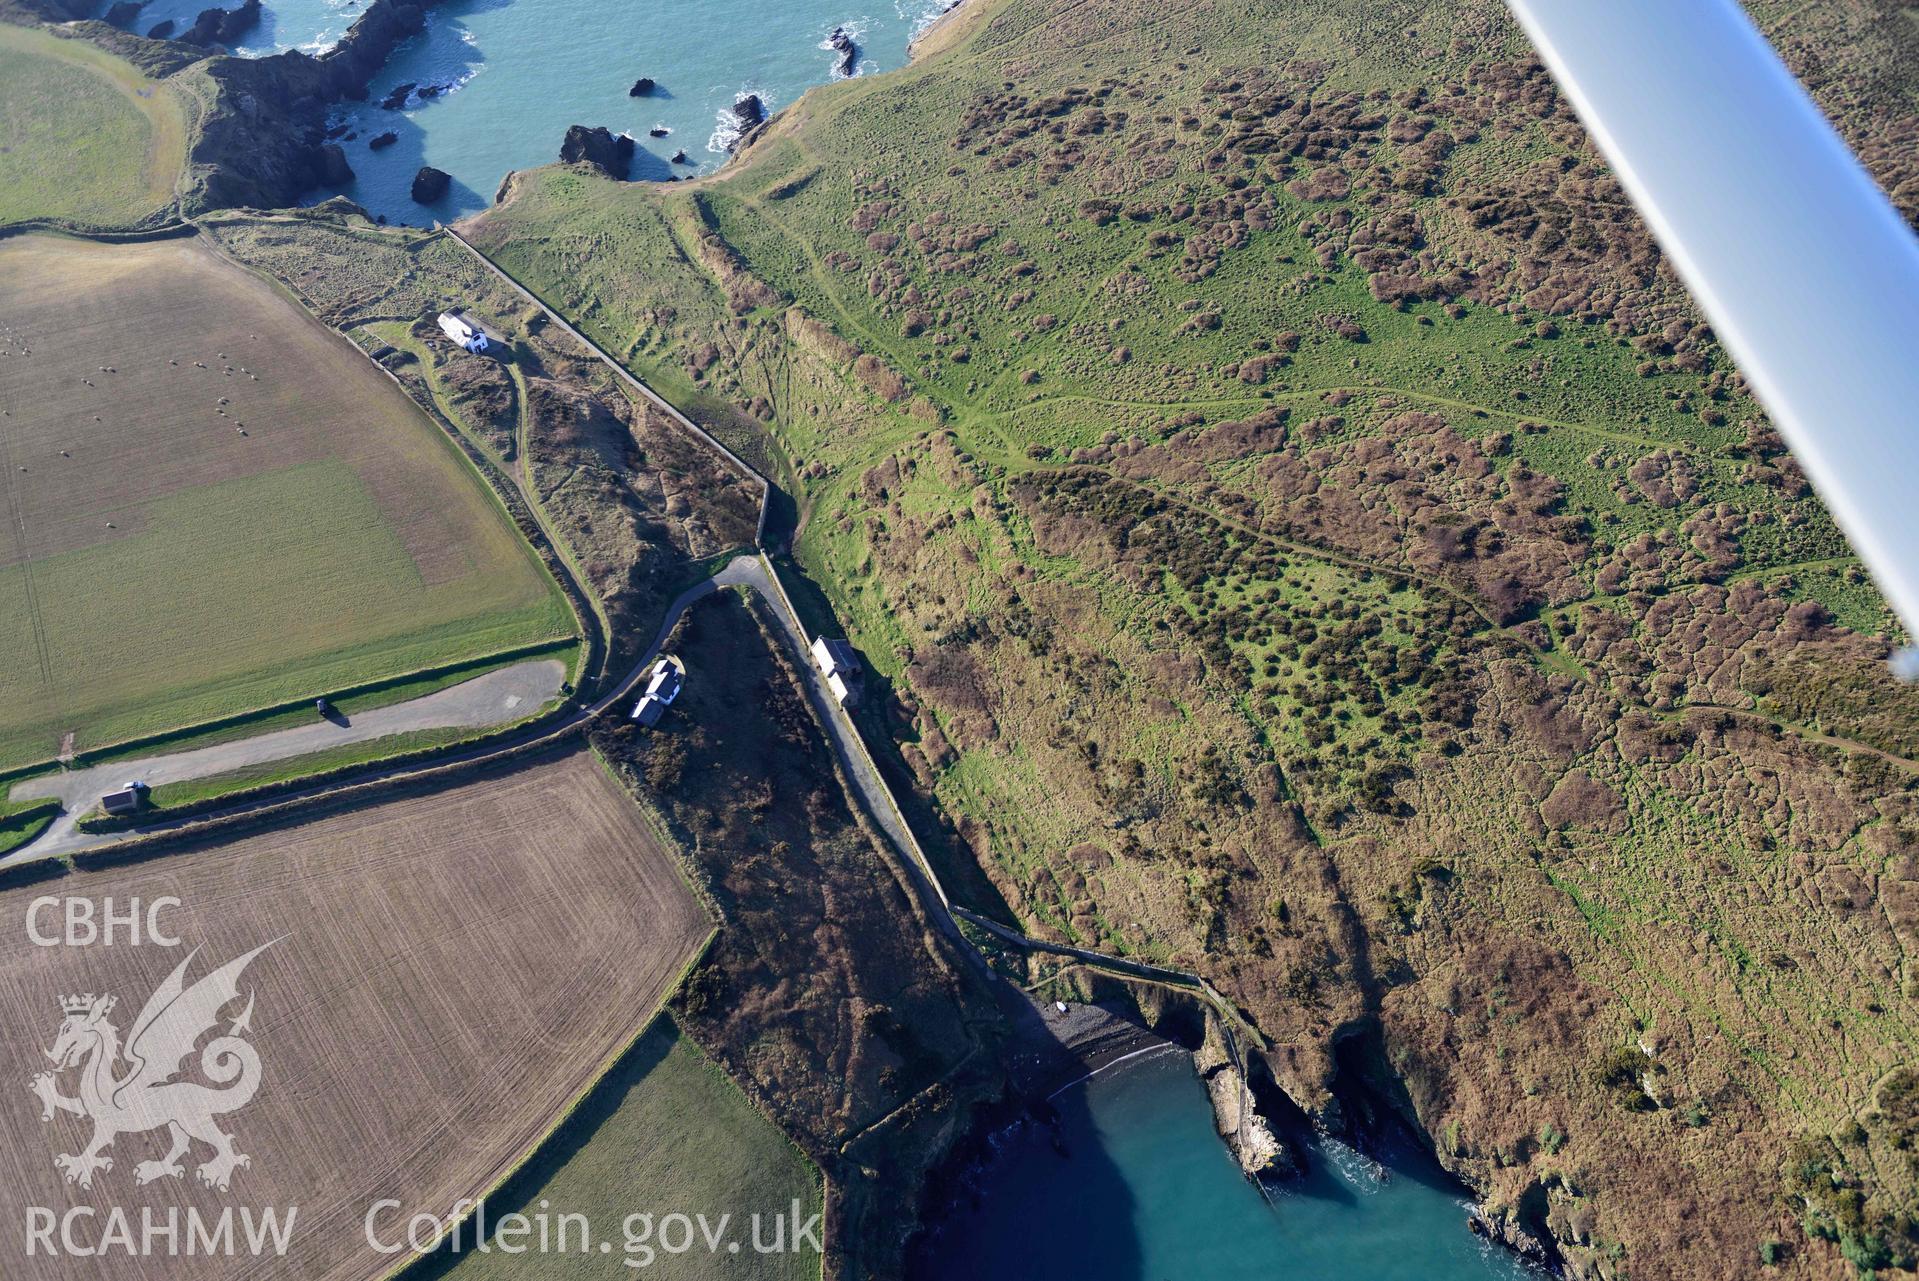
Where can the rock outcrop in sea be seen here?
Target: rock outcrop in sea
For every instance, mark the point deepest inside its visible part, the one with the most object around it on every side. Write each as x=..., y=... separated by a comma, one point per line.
x=749, y=111
x=1260, y=1152
x=334, y=170
x=642, y=88
x=848, y=51
x=381, y=141
x=430, y=184
x=222, y=26
x=598, y=146
x=260, y=144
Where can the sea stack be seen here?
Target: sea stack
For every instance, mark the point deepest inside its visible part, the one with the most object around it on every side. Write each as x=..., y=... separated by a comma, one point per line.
x=382, y=140
x=848, y=51
x=221, y=26
x=679, y=158
x=430, y=184
x=749, y=111
x=642, y=88
x=237, y=22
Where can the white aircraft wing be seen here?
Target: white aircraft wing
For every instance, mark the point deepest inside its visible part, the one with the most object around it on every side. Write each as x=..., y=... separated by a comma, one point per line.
x=1805, y=270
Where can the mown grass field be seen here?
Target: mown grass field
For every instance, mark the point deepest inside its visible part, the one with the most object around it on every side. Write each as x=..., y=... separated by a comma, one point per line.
x=665, y=1132
x=84, y=136
x=453, y=970
x=214, y=505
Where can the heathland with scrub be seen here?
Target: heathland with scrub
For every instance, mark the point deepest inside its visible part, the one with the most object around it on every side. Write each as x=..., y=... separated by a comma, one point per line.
x=1303, y=533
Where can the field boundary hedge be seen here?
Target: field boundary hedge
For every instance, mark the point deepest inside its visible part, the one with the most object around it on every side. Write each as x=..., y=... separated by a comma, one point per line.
x=296, y=808
x=103, y=235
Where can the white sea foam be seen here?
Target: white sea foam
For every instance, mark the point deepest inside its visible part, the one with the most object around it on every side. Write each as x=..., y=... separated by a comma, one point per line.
x=726, y=125
x=921, y=13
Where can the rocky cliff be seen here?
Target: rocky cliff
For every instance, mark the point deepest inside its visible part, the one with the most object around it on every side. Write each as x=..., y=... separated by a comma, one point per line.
x=1255, y=1145
x=611, y=154
x=260, y=142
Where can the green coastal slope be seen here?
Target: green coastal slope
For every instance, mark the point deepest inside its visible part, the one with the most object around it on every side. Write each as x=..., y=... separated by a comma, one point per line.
x=85, y=138
x=1303, y=533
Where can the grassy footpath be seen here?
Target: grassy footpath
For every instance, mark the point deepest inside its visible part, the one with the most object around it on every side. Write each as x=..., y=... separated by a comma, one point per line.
x=84, y=135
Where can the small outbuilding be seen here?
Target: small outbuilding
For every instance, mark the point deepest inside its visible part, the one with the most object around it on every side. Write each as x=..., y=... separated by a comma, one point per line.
x=840, y=665
x=125, y=801
x=463, y=331
x=669, y=674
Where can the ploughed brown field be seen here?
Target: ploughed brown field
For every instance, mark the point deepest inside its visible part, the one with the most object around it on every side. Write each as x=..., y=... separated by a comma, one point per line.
x=452, y=971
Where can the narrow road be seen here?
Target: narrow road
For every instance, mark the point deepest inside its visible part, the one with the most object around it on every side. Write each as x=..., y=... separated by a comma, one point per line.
x=508, y=694
x=63, y=838
x=848, y=747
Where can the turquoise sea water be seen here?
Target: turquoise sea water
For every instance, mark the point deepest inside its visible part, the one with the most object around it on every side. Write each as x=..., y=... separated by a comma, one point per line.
x=515, y=73
x=1146, y=1192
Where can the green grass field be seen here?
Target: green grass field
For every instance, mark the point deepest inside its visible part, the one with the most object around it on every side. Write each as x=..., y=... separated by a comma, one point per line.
x=663, y=1133
x=318, y=514
x=84, y=136
x=23, y=822
x=244, y=513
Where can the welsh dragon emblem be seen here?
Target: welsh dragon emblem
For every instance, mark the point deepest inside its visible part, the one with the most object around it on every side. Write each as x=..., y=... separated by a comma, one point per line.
x=129, y=1088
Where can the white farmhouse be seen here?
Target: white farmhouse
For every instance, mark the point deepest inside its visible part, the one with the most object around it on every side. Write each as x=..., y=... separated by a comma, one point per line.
x=463, y=331
x=668, y=675
x=841, y=667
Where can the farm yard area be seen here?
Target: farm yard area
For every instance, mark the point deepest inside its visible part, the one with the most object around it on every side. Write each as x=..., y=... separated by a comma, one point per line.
x=447, y=974
x=213, y=505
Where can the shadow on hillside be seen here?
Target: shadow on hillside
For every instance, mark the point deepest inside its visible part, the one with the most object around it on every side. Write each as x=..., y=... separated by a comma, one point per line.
x=517, y=1195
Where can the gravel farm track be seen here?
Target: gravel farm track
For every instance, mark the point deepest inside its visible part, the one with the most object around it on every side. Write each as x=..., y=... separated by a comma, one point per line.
x=497, y=697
